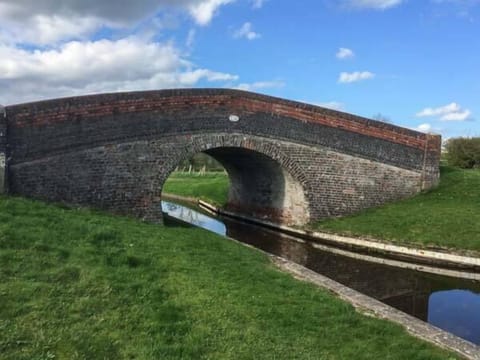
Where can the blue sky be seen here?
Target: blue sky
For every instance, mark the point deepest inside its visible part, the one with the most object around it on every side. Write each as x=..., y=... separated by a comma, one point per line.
x=416, y=63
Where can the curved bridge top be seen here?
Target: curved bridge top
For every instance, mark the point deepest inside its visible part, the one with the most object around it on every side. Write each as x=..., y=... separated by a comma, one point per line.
x=54, y=126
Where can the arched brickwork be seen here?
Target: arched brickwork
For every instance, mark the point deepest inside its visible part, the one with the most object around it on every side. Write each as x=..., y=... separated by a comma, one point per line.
x=114, y=151
x=265, y=182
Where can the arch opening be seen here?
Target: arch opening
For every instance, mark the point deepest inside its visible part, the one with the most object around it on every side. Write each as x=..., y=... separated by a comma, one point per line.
x=259, y=186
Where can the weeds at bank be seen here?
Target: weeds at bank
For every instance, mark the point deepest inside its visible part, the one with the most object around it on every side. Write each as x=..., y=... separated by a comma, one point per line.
x=77, y=284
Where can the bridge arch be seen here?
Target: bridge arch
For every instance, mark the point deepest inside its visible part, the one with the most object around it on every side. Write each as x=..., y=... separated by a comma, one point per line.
x=264, y=181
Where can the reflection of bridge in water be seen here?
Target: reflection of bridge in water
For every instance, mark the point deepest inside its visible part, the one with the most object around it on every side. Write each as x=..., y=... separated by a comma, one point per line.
x=184, y=213
x=193, y=217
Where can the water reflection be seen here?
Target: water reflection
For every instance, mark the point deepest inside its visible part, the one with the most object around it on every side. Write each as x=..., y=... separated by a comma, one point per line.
x=457, y=311
x=448, y=303
x=194, y=217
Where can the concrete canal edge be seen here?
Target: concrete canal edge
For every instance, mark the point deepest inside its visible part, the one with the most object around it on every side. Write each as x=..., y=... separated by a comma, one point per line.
x=421, y=255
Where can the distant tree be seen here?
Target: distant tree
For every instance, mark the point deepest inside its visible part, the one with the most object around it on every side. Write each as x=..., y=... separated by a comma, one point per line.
x=382, y=118
x=463, y=152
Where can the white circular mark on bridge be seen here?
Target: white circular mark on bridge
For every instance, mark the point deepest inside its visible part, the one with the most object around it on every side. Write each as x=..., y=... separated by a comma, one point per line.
x=233, y=118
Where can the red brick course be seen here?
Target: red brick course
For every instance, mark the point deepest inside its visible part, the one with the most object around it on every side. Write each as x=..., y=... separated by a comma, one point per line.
x=239, y=104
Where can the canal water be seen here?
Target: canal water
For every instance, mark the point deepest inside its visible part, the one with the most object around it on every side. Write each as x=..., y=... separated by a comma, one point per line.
x=449, y=303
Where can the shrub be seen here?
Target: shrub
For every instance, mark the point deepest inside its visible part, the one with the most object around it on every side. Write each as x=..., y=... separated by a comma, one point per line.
x=463, y=152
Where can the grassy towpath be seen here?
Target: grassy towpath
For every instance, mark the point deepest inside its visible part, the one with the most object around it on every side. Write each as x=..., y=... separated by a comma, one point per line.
x=447, y=216
x=77, y=284
x=210, y=186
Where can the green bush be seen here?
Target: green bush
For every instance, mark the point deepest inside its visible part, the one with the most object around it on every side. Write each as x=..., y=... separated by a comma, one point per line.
x=463, y=152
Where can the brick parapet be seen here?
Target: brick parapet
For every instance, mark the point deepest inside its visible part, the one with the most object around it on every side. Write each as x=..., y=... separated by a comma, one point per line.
x=51, y=112
x=55, y=126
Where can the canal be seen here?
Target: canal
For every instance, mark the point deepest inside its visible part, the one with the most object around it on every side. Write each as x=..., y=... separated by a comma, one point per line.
x=450, y=303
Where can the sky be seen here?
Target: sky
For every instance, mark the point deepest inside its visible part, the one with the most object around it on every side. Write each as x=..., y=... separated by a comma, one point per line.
x=414, y=63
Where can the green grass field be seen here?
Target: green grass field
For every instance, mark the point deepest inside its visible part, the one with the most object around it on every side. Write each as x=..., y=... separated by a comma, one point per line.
x=448, y=216
x=211, y=186
x=77, y=284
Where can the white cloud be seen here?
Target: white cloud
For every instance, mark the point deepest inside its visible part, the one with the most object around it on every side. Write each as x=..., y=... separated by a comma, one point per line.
x=373, y=4
x=426, y=128
x=344, y=53
x=46, y=21
x=442, y=110
x=457, y=116
x=246, y=31
x=260, y=85
x=97, y=66
x=203, y=11
x=44, y=30
x=46, y=50
x=257, y=4
x=334, y=105
x=355, y=76
x=191, y=77
x=449, y=112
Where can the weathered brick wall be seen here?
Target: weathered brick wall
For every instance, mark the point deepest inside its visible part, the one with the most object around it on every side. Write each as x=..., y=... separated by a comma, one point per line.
x=3, y=150
x=114, y=151
x=128, y=177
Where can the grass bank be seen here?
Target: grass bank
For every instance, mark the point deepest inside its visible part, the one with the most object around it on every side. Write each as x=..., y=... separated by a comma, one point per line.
x=210, y=186
x=447, y=216
x=76, y=284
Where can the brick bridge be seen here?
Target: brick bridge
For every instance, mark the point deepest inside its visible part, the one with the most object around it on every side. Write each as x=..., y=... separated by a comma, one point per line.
x=288, y=162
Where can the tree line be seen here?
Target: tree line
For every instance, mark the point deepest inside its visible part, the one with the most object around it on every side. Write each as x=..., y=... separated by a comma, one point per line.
x=463, y=152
